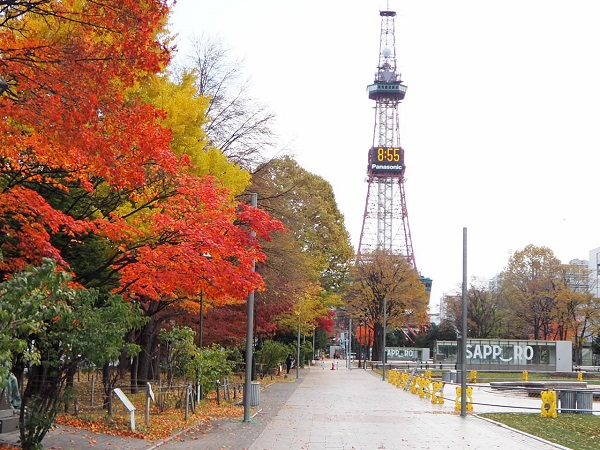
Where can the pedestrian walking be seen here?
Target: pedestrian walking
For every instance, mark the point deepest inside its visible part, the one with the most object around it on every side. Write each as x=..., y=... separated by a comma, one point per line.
x=288, y=363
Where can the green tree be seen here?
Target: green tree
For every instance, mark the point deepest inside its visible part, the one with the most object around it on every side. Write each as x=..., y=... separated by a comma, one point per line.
x=180, y=351
x=306, y=205
x=307, y=263
x=445, y=331
x=60, y=327
x=210, y=364
x=272, y=354
x=316, y=251
x=321, y=340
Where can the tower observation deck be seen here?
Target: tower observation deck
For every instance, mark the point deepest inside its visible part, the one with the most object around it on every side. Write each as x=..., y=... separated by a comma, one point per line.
x=385, y=221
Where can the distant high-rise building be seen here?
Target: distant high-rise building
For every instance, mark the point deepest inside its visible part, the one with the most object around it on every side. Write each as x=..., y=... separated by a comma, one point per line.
x=579, y=281
x=594, y=267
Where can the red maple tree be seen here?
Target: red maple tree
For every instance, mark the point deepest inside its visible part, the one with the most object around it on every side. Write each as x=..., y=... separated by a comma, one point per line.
x=78, y=144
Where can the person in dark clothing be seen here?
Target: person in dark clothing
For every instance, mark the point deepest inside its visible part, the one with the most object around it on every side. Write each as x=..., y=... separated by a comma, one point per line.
x=288, y=363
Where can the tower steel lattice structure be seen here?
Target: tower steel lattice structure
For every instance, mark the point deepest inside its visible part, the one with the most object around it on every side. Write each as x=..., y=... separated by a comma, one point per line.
x=385, y=221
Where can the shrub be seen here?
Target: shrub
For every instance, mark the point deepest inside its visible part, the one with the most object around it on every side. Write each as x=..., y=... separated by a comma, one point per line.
x=272, y=354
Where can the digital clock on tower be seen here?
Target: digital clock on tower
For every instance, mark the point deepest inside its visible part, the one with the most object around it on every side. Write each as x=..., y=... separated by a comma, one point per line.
x=386, y=160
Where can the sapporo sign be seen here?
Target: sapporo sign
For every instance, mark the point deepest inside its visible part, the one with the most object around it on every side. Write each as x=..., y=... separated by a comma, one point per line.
x=402, y=353
x=504, y=353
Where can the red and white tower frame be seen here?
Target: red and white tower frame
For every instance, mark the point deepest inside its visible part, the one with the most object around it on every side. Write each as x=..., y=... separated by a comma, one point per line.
x=385, y=220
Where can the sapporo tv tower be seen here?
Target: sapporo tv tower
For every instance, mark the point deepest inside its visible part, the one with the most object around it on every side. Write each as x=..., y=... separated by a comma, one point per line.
x=385, y=220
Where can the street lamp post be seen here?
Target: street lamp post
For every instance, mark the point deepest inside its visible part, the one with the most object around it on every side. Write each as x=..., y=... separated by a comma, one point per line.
x=367, y=342
x=298, y=350
x=349, y=352
x=463, y=346
x=249, y=336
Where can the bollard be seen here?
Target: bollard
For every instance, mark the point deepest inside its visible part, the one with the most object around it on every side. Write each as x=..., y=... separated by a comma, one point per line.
x=457, y=399
x=438, y=392
x=469, y=400
x=579, y=376
x=427, y=387
x=421, y=387
x=548, y=404
x=413, y=385
x=472, y=376
x=525, y=375
x=396, y=378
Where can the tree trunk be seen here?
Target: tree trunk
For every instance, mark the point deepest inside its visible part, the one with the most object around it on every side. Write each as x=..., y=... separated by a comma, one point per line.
x=377, y=342
x=144, y=358
x=107, y=384
x=40, y=400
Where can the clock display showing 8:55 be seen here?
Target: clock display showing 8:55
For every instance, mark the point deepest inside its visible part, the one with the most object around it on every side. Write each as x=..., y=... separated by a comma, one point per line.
x=386, y=160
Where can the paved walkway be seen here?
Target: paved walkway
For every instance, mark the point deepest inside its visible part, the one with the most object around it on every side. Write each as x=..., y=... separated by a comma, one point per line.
x=354, y=409
x=342, y=410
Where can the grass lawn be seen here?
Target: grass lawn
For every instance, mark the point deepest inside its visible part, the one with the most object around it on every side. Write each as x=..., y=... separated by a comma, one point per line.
x=575, y=431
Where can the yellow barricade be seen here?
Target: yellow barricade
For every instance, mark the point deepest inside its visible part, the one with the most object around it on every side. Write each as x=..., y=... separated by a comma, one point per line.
x=404, y=379
x=548, y=404
x=413, y=385
x=472, y=378
x=426, y=388
x=468, y=403
x=438, y=392
x=421, y=387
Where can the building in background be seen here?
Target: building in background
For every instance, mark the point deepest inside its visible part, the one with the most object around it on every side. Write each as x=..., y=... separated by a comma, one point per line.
x=594, y=267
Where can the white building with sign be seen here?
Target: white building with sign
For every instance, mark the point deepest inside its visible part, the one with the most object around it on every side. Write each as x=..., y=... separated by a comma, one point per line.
x=509, y=354
x=407, y=354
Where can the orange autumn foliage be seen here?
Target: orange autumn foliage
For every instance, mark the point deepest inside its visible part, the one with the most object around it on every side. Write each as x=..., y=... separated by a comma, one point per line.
x=202, y=235
x=67, y=121
x=75, y=126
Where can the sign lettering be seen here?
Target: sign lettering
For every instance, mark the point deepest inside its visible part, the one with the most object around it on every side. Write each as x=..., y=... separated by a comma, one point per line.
x=497, y=352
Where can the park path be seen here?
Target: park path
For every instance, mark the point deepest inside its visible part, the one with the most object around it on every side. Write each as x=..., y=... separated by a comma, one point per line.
x=355, y=409
x=340, y=409
x=345, y=409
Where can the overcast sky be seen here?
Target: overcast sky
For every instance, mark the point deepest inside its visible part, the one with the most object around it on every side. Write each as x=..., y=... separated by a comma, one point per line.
x=500, y=124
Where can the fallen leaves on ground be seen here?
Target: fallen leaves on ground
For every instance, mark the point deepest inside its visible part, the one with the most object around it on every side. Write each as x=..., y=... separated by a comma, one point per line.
x=162, y=425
